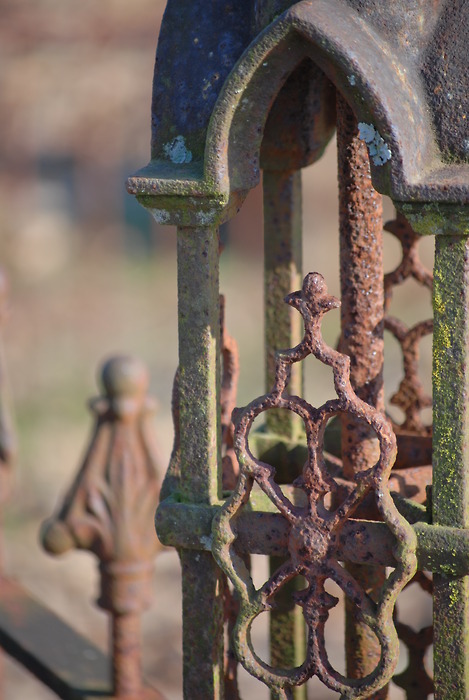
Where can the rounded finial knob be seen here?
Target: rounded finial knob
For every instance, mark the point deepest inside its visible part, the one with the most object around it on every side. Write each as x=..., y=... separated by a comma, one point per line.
x=124, y=377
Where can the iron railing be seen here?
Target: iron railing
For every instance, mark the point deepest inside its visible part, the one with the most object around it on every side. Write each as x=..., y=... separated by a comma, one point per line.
x=336, y=492
x=245, y=87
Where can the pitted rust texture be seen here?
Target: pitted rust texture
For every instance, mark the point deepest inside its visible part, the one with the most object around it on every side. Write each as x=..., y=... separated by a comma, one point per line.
x=361, y=271
x=314, y=529
x=109, y=511
x=362, y=310
x=410, y=397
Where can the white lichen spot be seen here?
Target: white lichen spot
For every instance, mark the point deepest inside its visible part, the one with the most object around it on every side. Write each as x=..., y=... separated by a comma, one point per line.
x=378, y=149
x=177, y=152
x=206, y=543
x=366, y=132
x=352, y=80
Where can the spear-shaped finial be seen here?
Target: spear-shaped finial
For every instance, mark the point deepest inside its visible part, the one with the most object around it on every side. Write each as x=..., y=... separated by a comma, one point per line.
x=109, y=510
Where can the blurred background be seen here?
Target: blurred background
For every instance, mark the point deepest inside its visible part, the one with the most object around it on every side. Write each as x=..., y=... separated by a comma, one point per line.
x=91, y=274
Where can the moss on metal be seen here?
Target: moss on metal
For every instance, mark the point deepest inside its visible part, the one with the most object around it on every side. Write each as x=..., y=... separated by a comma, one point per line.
x=450, y=442
x=436, y=218
x=199, y=363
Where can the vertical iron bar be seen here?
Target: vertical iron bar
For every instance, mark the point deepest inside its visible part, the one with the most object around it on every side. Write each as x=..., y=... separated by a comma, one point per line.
x=282, y=275
x=362, y=313
x=199, y=388
x=451, y=457
x=283, y=329
x=126, y=655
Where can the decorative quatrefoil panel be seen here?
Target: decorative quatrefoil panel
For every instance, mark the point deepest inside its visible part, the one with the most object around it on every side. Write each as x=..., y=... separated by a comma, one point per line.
x=315, y=526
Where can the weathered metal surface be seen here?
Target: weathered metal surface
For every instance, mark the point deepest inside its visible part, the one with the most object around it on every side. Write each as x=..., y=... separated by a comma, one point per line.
x=410, y=397
x=228, y=389
x=282, y=328
x=450, y=496
x=443, y=550
x=282, y=275
x=200, y=454
x=415, y=102
x=400, y=67
x=209, y=595
x=362, y=310
x=199, y=364
x=315, y=529
x=109, y=511
x=203, y=618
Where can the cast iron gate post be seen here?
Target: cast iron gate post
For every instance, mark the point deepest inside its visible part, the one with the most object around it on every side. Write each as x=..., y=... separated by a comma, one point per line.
x=245, y=86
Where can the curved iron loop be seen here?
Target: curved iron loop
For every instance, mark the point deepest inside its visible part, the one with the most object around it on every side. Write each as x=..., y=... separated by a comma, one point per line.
x=410, y=397
x=316, y=526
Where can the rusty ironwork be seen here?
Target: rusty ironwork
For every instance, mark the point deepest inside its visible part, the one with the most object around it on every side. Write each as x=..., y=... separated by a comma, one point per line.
x=412, y=399
x=109, y=511
x=245, y=86
x=362, y=310
x=315, y=529
x=228, y=389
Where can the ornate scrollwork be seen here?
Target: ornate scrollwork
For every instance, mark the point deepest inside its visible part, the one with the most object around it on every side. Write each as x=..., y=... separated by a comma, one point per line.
x=315, y=527
x=410, y=396
x=109, y=508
